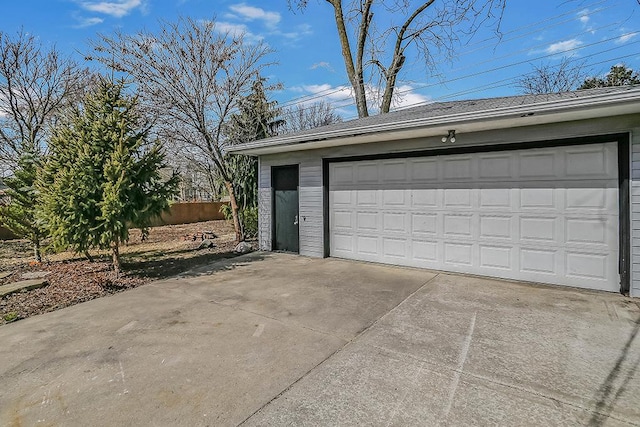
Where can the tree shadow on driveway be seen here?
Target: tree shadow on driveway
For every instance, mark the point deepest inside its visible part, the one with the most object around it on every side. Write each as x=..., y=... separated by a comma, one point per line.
x=609, y=393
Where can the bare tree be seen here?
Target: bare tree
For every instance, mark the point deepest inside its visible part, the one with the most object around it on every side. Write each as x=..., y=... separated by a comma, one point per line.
x=303, y=117
x=548, y=78
x=36, y=84
x=426, y=28
x=192, y=77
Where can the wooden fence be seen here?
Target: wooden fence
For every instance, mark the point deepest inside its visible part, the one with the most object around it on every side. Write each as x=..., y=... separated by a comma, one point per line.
x=179, y=213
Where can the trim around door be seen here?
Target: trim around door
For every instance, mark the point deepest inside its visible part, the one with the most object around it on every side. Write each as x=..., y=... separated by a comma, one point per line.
x=624, y=220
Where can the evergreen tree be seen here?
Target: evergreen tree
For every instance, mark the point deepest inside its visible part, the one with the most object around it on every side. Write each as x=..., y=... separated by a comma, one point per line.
x=619, y=75
x=256, y=119
x=19, y=215
x=103, y=174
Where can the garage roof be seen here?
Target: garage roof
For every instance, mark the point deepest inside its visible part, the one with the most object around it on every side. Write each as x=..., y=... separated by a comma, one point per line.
x=463, y=116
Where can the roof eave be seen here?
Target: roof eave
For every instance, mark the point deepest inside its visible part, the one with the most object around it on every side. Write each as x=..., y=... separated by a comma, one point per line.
x=612, y=104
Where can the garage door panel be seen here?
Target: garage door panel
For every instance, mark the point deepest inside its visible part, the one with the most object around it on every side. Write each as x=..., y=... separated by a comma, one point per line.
x=367, y=221
x=342, y=244
x=425, y=198
x=588, y=266
x=492, y=198
x=394, y=248
x=538, y=198
x=496, y=257
x=341, y=198
x=424, y=223
x=342, y=220
x=458, y=253
x=586, y=230
x=426, y=251
x=395, y=222
x=538, y=260
x=537, y=164
x=457, y=168
x=341, y=174
x=594, y=162
x=539, y=229
x=458, y=198
x=394, y=171
x=367, y=173
x=367, y=198
x=458, y=225
x=493, y=166
x=394, y=198
x=546, y=215
x=594, y=198
x=423, y=170
x=492, y=226
x=367, y=245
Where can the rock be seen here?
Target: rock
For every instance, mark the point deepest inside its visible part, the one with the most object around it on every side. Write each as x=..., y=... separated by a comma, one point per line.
x=34, y=275
x=206, y=243
x=24, y=285
x=5, y=274
x=243, y=248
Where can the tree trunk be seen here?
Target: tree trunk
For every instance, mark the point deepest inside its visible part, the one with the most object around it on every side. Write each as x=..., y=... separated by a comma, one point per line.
x=234, y=212
x=115, y=258
x=355, y=76
x=88, y=256
x=36, y=251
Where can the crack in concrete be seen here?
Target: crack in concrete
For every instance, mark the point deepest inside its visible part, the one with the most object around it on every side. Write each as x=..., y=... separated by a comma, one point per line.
x=326, y=359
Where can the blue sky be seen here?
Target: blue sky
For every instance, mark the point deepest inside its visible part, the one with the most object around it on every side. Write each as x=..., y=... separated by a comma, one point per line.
x=598, y=33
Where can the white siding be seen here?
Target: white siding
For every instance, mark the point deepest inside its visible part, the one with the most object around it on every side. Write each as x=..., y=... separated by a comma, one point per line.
x=264, y=206
x=311, y=208
x=311, y=203
x=635, y=212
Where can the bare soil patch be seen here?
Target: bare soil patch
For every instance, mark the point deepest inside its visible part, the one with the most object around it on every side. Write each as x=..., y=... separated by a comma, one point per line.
x=167, y=251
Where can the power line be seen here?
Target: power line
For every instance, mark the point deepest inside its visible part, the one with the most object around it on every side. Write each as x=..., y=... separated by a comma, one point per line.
x=346, y=85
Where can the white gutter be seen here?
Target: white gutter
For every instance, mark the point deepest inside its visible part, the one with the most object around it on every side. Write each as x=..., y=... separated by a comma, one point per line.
x=580, y=108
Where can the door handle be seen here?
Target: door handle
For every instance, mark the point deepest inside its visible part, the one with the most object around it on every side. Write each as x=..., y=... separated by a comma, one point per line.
x=295, y=221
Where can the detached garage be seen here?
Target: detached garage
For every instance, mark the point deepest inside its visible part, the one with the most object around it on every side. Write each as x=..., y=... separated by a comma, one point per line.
x=538, y=188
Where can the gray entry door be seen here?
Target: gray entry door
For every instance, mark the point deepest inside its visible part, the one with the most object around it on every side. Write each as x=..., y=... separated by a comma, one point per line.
x=285, y=209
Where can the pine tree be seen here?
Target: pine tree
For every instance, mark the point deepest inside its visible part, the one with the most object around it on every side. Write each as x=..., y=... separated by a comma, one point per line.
x=19, y=215
x=619, y=75
x=103, y=175
x=256, y=119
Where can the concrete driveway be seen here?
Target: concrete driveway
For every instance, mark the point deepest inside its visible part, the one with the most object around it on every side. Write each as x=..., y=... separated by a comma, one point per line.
x=274, y=339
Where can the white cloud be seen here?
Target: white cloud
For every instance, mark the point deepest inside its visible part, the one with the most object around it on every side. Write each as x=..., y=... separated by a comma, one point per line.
x=87, y=22
x=251, y=13
x=237, y=30
x=322, y=64
x=563, y=46
x=583, y=16
x=116, y=8
x=406, y=97
x=626, y=37
x=341, y=96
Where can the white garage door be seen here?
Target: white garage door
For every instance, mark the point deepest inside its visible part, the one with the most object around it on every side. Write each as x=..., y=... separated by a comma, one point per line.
x=546, y=215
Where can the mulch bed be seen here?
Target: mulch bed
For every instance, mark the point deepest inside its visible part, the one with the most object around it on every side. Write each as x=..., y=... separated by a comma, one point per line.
x=71, y=280
x=69, y=283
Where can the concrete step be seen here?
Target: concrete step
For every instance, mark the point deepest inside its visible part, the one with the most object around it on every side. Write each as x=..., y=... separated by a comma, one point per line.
x=23, y=285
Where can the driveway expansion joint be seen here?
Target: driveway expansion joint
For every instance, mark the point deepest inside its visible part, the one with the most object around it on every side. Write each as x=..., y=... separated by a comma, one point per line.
x=338, y=350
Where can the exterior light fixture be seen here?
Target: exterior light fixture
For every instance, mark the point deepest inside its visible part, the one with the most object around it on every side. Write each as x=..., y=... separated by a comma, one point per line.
x=451, y=136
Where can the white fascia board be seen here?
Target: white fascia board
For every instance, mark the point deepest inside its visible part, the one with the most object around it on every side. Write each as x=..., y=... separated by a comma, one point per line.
x=584, y=108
